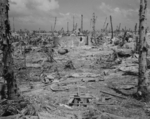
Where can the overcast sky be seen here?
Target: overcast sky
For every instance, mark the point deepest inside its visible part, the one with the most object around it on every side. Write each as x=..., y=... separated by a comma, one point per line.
x=35, y=14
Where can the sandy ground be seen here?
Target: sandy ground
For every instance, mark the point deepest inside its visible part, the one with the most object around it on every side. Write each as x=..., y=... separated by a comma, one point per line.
x=99, y=80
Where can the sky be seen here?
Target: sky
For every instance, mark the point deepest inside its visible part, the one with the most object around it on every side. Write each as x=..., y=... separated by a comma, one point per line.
x=35, y=14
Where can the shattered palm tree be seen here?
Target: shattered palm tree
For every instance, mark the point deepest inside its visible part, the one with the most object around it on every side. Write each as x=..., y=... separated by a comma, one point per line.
x=93, y=32
x=81, y=23
x=143, y=81
x=8, y=68
x=112, y=35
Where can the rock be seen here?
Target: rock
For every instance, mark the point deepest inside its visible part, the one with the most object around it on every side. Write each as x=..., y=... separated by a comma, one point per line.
x=106, y=73
x=63, y=51
x=130, y=40
x=46, y=78
x=105, y=46
x=56, y=81
x=33, y=65
x=74, y=75
x=49, y=76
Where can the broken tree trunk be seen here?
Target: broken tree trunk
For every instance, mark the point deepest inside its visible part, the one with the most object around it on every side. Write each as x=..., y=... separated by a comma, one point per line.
x=143, y=81
x=106, y=28
x=73, y=24
x=136, y=37
x=91, y=23
x=76, y=26
x=135, y=29
x=8, y=69
x=119, y=27
x=124, y=38
x=13, y=25
x=137, y=44
x=51, y=28
x=111, y=28
x=104, y=24
x=125, y=28
x=93, y=34
x=81, y=23
x=24, y=54
x=55, y=24
x=67, y=27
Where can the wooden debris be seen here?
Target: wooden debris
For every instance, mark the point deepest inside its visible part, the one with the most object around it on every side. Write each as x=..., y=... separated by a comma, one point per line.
x=108, y=115
x=113, y=95
x=11, y=117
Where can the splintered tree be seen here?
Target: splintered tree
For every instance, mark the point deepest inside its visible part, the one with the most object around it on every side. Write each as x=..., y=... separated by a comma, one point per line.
x=73, y=24
x=90, y=24
x=76, y=26
x=104, y=24
x=13, y=25
x=135, y=28
x=67, y=27
x=55, y=24
x=119, y=27
x=94, y=21
x=112, y=35
x=106, y=28
x=8, y=73
x=81, y=23
x=143, y=80
x=136, y=37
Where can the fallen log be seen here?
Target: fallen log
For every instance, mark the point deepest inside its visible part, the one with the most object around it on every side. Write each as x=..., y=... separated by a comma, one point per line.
x=113, y=95
x=108, y=115
x=11, y=117
x=56, y=87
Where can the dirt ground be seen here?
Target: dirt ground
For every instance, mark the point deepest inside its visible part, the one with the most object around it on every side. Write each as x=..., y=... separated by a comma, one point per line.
x=106, y=89
x=85, y=83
